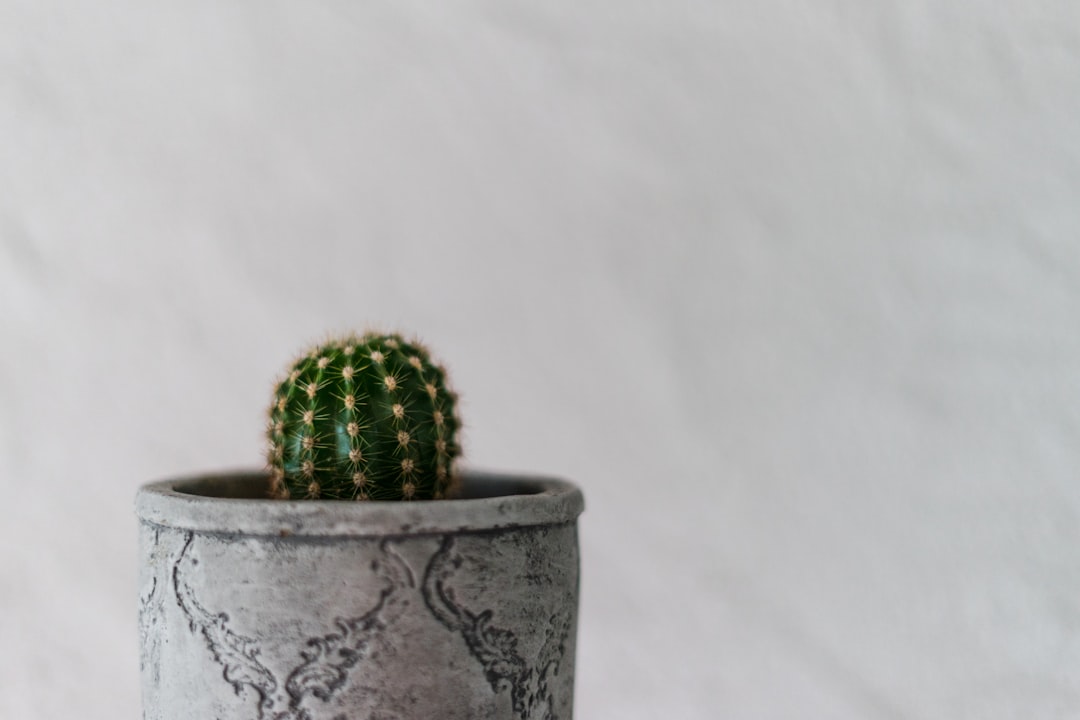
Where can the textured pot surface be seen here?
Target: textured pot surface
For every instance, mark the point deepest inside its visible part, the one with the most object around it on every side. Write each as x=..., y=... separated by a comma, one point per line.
x=256, y=609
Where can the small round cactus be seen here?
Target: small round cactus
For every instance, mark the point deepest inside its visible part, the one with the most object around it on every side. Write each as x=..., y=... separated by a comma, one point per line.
x=364, y=417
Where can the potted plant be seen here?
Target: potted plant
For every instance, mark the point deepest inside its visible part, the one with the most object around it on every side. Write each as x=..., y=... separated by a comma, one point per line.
x=361, y=576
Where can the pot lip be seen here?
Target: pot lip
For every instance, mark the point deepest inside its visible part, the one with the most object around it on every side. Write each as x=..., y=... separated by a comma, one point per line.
x=522, y=500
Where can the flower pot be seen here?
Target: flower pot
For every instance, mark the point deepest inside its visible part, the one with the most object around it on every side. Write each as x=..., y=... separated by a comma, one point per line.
x=263, y=609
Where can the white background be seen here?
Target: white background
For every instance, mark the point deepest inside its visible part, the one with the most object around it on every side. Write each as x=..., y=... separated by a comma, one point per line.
x=791, y=289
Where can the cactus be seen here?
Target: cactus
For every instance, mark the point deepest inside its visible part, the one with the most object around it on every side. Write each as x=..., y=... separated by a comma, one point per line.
x=363, y=418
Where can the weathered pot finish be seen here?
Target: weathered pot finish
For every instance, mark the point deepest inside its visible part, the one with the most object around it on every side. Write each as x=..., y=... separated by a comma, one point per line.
x=292, y=610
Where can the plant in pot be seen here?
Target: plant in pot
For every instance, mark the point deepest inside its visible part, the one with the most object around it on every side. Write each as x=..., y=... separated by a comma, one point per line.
x=360, y=576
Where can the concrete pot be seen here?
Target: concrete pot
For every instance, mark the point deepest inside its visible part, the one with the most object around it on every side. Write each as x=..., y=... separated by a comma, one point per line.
x=256, y=609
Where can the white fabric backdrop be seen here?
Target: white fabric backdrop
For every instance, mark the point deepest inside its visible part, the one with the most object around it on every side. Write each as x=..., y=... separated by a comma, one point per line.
x=791, y=289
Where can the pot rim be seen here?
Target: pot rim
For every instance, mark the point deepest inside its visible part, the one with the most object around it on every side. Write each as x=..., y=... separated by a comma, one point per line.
x=201, y=503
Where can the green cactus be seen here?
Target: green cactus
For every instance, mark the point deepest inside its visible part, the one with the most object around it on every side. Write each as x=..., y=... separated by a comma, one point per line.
x=364, y=418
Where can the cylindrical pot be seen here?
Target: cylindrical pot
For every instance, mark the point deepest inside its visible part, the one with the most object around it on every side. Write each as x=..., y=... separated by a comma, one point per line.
x=258, y=609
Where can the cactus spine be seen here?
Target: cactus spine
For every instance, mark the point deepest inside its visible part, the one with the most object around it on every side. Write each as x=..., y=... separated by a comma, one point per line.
x=363, y=418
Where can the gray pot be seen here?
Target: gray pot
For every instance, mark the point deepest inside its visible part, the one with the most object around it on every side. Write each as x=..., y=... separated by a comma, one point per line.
x=256, y=609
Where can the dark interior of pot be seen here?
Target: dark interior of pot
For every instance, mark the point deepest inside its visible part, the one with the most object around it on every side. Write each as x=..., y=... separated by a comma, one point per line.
x=252, y=486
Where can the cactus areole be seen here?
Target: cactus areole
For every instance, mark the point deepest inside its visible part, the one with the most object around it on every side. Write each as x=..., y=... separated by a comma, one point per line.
x=363, y=417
